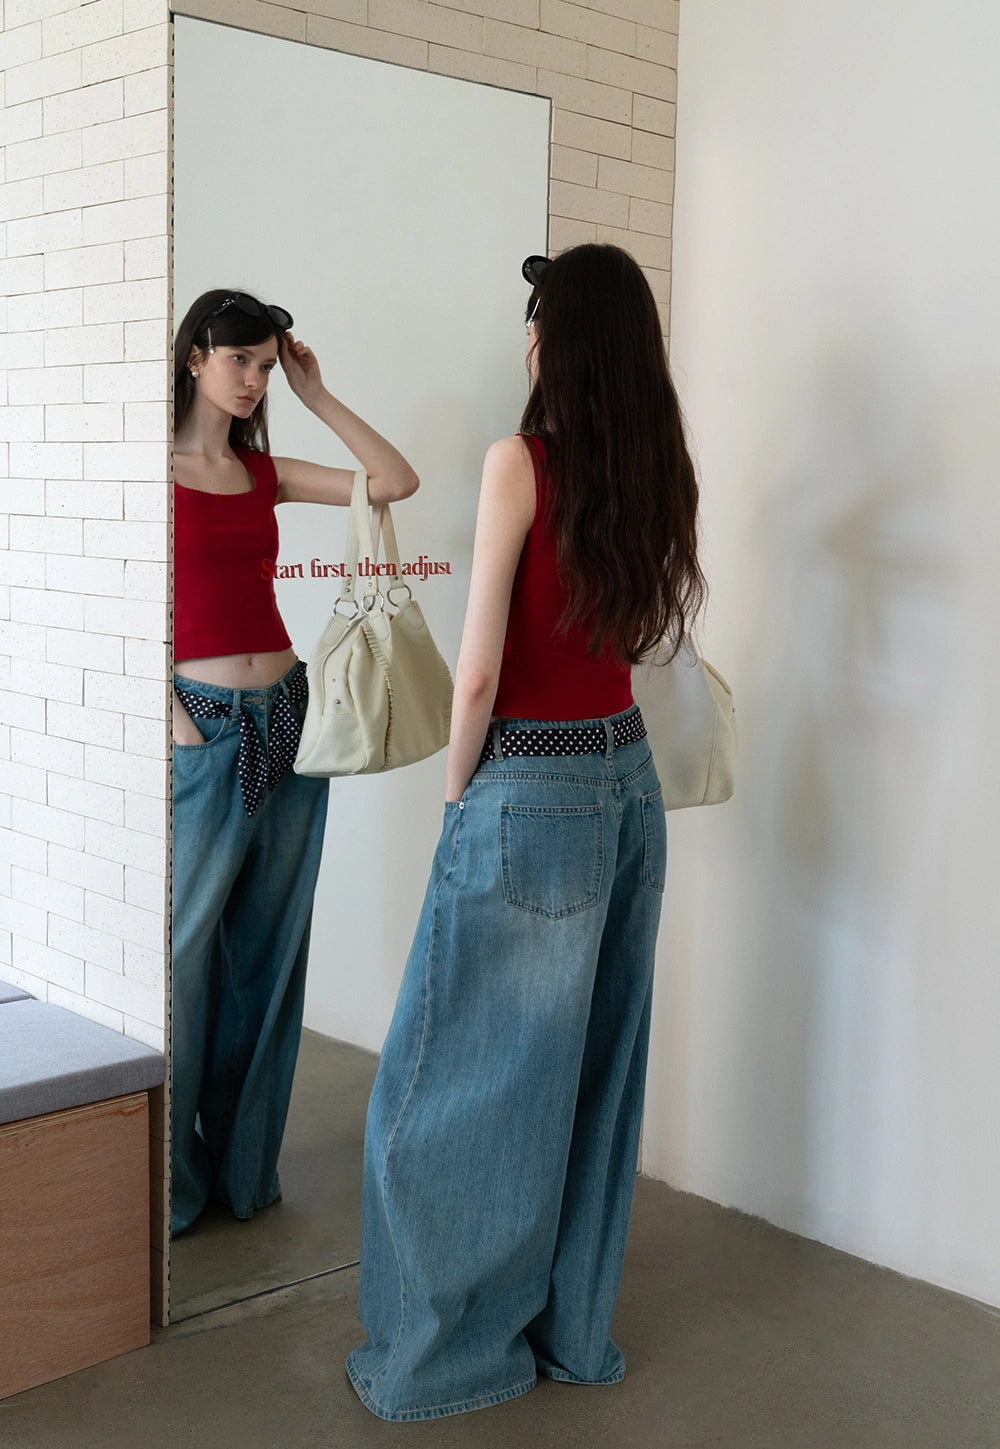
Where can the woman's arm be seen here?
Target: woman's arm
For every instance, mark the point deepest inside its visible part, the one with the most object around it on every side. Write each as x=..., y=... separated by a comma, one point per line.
x=390, y=476
x=506, y=510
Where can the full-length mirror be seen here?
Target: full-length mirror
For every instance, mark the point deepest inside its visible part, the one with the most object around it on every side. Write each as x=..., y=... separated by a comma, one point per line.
x=388, y=211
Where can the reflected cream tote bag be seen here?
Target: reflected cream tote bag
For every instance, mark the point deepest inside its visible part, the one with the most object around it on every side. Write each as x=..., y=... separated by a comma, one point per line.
x=379, y=691
x=691, y=722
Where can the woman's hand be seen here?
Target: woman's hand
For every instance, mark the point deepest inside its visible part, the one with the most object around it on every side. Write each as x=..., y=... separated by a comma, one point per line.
x=300, y=365
x=184, y=729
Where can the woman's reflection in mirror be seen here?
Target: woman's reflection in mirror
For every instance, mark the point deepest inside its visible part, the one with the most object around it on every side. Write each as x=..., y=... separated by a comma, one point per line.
x=247, y=831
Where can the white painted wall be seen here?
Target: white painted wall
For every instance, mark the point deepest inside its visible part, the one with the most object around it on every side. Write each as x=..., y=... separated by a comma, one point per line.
x=824, y=1047
x=394, y=233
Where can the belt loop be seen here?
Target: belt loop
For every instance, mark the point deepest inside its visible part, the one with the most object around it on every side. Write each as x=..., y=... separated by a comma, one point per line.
x=497, y=746
x=609, y=731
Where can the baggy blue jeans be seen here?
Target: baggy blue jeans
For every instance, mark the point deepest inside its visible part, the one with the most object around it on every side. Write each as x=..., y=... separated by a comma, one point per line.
x=503, y=1127
x=242, y=904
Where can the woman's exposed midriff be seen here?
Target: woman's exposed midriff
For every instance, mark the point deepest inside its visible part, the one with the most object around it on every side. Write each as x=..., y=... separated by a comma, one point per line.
x=239, y=671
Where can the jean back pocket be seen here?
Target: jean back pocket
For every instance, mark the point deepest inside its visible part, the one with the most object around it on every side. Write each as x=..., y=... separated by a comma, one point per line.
x=552, y=857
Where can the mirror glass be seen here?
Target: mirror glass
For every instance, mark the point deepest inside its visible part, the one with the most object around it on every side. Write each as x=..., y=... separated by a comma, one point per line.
x=389, y=211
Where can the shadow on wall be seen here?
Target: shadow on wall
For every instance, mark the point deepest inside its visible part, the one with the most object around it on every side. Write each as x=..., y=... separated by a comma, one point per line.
x=849, y=763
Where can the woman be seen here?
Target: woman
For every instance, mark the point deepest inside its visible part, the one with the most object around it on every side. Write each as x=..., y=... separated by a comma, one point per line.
x=503, y=1127
x=247, y=831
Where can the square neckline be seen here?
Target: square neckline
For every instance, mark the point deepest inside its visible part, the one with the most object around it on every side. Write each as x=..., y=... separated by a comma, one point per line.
x=211, y=493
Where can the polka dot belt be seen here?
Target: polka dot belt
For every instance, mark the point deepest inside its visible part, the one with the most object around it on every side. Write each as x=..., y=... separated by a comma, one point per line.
x=261, y=765
x=566, y=740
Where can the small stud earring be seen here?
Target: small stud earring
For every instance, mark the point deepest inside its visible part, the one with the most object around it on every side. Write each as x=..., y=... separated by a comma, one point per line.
x=194, y=372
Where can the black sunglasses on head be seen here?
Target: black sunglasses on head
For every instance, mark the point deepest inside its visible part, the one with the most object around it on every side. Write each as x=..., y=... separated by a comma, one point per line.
x=250, y=307
x=533, y=269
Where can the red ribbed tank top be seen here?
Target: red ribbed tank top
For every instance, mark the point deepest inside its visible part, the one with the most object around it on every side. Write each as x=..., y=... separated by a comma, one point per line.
x=223, y=591
x=547, y=674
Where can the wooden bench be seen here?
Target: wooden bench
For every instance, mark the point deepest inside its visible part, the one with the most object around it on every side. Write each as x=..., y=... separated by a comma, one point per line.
x=74, y=1191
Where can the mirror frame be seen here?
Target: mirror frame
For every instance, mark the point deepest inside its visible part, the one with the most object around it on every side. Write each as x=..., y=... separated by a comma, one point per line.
x=605, y=135
x=610, y=76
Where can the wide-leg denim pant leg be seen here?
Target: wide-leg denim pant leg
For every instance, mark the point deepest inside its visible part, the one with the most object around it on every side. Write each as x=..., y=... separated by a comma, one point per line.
x=571, y=1337
x=242, y=906
x=503, y=1127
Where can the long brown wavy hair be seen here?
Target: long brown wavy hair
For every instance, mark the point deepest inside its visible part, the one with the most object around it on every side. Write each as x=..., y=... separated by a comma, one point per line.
x=231, y=328
x=623, y=497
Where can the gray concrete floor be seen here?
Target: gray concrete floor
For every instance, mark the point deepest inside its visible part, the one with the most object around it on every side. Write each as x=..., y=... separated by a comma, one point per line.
x=737, y=1336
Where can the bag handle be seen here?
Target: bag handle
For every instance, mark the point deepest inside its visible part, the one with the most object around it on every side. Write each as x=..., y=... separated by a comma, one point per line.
x=359, y=544
x=385, y=532
x=362, y=542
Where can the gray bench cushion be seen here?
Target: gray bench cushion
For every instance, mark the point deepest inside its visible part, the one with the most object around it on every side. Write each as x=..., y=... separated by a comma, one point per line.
x=51, y=1058
x=12, y=993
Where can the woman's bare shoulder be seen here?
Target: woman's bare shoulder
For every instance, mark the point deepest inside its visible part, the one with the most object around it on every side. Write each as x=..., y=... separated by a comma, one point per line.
x=509, y=482
x=510, y=453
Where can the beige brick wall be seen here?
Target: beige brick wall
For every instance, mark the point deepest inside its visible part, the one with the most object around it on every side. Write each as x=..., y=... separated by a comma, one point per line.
x=608, y=66
x=84, y=340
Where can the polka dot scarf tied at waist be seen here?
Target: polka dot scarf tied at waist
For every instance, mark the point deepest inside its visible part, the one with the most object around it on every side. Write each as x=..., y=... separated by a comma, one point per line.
x=261, y=765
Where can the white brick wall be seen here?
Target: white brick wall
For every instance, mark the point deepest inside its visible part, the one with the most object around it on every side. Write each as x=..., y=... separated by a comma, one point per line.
x=84, y=269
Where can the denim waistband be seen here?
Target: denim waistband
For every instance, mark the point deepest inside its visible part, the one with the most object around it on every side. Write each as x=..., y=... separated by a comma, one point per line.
x=268, y=747
x=256, y=695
